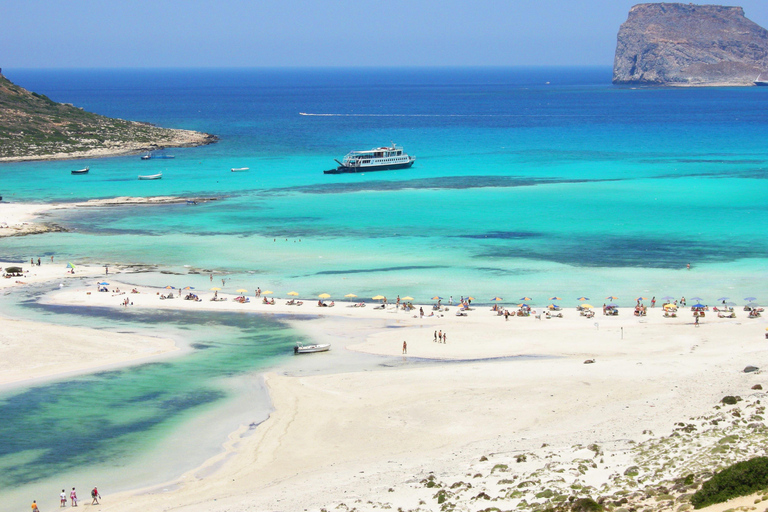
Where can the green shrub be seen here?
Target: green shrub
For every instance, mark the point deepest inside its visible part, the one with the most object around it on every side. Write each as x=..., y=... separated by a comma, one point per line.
x=741, y=479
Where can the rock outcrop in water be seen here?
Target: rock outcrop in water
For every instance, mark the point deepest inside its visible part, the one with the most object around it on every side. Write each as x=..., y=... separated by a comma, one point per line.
x=686, y=44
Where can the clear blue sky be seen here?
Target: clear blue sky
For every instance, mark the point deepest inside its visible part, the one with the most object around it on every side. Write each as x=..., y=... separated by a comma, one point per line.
x=253, y=33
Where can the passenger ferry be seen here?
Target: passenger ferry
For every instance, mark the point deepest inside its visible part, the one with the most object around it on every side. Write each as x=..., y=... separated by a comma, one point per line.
x=378, y=159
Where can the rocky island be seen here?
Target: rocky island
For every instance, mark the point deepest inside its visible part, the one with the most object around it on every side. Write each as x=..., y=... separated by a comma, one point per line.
x=687, y=44
x=34, y=127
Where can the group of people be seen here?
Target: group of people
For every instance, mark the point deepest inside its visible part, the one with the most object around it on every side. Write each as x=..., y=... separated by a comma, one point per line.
x=440, y=337
x=73, y=498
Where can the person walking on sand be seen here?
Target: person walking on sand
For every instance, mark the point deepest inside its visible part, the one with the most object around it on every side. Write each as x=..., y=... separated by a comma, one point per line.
x=696, y=321
x=63, y=498
x=653, y=302
x=445, y=337
x=95, y=495
x=73, y=497
x=34, y=506
x=435, y=339
x=405, y=347
x=440, y=336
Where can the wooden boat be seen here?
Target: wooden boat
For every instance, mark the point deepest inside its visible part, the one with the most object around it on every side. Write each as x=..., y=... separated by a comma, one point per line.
x=151, y=176
x=239, y=169
x=81, y=171
x=300, y=348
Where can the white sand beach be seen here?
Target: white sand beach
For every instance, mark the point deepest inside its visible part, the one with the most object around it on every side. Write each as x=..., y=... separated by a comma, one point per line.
x=367, y=440
x=509, y=413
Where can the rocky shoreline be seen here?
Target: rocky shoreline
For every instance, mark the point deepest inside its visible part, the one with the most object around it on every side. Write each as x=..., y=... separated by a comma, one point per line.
x=172, y=138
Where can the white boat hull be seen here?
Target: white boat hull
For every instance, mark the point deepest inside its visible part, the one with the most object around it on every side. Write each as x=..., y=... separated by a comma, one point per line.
x=151, y=177
x=308, y=349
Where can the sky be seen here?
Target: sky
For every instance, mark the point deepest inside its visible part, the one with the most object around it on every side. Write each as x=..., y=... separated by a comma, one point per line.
x=311, y=33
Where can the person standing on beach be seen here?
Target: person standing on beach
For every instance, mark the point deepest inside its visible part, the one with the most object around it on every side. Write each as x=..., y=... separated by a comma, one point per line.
x=211, y=277
x=435, y=340
x=34, y=506
x=73, y=497
x=450, y=300
x=405, y=347
x=653, y=302
x=445, y=337
x=38, y=262
x=63, y=498
x=95, y=495
x=258, y=291
x=440, y=336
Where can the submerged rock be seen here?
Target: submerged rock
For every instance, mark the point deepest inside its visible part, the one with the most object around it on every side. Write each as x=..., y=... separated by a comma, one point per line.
x=686, y=44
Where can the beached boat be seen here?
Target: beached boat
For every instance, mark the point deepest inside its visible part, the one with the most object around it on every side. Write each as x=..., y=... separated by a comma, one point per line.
x=151, y=176
x=378, y=159
x=240, y=169
x=81, y=171
x=763, y=83
x=300, y=348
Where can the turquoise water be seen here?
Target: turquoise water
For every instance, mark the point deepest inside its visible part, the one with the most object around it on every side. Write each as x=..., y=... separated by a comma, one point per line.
x=520, y=188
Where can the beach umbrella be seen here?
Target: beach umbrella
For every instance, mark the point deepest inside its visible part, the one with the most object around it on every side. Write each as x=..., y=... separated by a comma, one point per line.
x=672, y=298
x=378, y=297
x=753, y=305
x=472, y=298
x=588, y=306
x=437, y=297
x=324, y=296
x=697, y=298
x=350, y=295
x=523, y=298
x=215, y=289
x=169, y=287
x=670, y=306
x=730, y=304
x=750, y=299
x=497, y=299
x=240, y=290
x=583, y=298
x=611, y=297
x=268, y=292
x=69, y=265
x=698, y=306
x=293, y=293
x=523, y=305
x=188, y=288
x=612, y=305
x=555, y=298
x=407, y=298
x=723, y=298
x=642, y=298
x=103, y=284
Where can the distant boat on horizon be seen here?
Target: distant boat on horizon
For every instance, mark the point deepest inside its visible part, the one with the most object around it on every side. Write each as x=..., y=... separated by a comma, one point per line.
x=240, y=169
x=151, y=176
x=81, y=171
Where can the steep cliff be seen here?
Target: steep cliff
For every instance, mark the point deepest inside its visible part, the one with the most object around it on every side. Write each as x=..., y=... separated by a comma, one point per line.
x=686, y=44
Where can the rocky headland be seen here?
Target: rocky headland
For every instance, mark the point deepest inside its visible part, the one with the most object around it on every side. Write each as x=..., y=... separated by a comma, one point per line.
x=34, y=127
x=687, y=44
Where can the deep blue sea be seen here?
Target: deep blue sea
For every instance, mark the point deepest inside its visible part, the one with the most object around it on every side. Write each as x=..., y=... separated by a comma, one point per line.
x=528, y=182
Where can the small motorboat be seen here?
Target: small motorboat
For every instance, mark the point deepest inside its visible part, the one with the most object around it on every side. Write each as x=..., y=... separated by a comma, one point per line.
x=300, y=348
x=151, y=176
x=240, y=169
x=150, y=156
x=81, y=171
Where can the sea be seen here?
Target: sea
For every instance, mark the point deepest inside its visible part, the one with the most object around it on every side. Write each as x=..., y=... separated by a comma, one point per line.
x=529, y=183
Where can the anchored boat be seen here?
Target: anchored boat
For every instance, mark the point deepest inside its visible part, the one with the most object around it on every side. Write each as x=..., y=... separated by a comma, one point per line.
x=151, y=176
x=81, y=171
x=378, y=159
